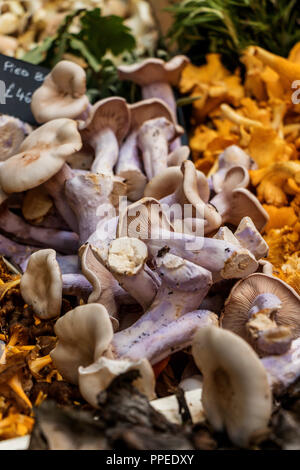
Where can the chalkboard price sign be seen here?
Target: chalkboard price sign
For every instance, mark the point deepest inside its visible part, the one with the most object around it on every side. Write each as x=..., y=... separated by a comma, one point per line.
x=18, y=81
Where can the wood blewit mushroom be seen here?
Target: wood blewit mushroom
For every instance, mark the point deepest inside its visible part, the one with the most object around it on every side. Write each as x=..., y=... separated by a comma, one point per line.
x=106, y=128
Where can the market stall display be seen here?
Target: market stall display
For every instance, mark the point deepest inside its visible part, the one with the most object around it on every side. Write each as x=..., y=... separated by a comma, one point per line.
x=137, y=272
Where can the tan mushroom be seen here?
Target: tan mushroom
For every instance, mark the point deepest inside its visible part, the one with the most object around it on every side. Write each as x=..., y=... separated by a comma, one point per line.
x=12, y=134
x=62, y=95
x=41, y=155
x=95, y=378
x=236, y=394
x=41, y=284
x=106, y=128
x=264, y=311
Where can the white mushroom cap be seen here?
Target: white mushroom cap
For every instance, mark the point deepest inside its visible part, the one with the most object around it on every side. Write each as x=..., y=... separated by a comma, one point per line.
x=84, y=334
x=98, y=376
x=41, y=284
x=62, y=94
x=236, y=394
x=41, y=155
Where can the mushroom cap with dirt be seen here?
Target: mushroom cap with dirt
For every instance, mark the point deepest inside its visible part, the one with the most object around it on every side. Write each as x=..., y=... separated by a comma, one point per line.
x=62, y=94
x=236, y=395
x=41, y=284
x=242, y=301
x=41, y=155
x=12, y=133
x=154, y=70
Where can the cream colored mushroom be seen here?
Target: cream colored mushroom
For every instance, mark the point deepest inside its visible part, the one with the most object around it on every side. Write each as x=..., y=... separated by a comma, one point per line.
x=41, y=284
x=41, y=155
x=127, y=261
x=62, y=94
x=236, y=394
x=97, y=377
x=90, y=322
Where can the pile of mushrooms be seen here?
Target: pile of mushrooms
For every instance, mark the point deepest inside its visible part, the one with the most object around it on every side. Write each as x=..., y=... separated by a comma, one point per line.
x=101, y=203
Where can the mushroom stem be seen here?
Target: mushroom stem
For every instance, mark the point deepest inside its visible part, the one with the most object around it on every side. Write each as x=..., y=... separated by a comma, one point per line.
x=60, y=240
x=56, y=189
x=249, y=237
x=167, y=339
x=184, y=286
x=129, y=167
x=106, y=149
x=269, y=338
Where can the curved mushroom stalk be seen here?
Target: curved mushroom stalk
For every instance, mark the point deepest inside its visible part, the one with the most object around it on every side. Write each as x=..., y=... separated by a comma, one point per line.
x=153, y=140
x=264, y=311
x=12, y=134
x=233, y=204
x=55, y=187
x=283, y=370
x=147, y=221
x=183, y=287
x=156, y=77
x=16, y=252
x=104, y=286
x=167, y=338
x=97, y=377
x=269, y=337
x=62, y=94
x=129, y=165
x=41, y=284
x=127, y=262
x=41, y=155
x=106, y=128
x=236, y=395
x=60, y=240
x=233, y=156
x=178, y=156
x=246, y=236
x=93, y=198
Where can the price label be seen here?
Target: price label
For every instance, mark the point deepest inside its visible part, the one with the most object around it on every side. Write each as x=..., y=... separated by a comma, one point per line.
x=18, y=82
